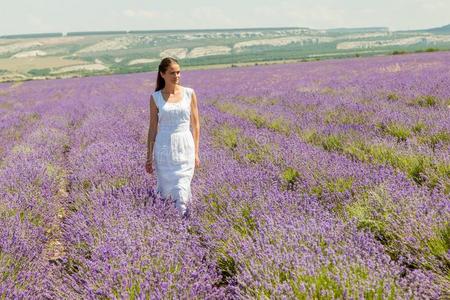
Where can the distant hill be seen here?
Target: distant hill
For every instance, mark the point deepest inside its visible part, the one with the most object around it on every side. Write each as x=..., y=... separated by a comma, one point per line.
x=60, y=55
x=439, y=30
x=31, y=35
x=85, y=33
x=358, y=30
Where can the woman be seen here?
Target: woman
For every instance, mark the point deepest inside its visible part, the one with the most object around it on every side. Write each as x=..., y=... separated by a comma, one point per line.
x=171, y=146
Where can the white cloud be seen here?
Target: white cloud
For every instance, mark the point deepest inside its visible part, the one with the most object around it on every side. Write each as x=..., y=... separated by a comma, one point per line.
x=206, y=16
x=27, y=16
x=149, y=14
x=38, y=24
x=129, y=13
x=433, y=6
x=195, y=17
x=287, y=14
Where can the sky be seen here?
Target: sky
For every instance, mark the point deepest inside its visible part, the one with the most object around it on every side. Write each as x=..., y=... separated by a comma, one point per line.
x=40, y=16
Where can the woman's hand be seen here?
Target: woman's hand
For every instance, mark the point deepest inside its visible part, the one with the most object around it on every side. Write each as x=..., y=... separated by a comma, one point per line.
x=149, y=166
x=197, y=161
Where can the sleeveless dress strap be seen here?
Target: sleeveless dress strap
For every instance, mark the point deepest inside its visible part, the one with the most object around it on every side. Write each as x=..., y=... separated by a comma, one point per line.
x=156, y=98
x=189, y=95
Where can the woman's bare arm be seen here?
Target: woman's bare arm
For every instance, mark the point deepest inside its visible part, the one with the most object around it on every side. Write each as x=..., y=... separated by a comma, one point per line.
x=195, y=123
x=152, y=130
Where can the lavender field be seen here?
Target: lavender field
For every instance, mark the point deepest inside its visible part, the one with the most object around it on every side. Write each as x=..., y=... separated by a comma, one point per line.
x=319, y=180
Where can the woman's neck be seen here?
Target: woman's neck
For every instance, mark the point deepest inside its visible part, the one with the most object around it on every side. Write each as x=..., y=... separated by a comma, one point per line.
x=170, y=89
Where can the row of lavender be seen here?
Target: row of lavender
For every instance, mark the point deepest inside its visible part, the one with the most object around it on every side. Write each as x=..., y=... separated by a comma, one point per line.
x=122, y=240
x=33, y=183
x=410, y=220
x=119, y=239
x=238, y=223
x=279, y=239
x=368, y=110
x=204, y=258
x=272, y=215
x=106, y=198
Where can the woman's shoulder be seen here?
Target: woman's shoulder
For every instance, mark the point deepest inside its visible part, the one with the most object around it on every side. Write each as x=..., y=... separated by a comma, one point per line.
x=155, y=97
x=154, y=94
x=189, y=91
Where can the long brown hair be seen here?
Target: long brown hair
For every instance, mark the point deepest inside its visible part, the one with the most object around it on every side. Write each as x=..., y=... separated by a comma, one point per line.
x=163, y=65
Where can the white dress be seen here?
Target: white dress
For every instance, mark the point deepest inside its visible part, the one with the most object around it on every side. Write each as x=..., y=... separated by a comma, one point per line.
x=174, y=150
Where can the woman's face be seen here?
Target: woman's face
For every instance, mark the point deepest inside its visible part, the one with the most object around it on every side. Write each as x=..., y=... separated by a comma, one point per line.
x=172, y=74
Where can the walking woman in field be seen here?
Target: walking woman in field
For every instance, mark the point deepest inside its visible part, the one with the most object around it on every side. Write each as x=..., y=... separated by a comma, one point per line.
x=171, y=146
